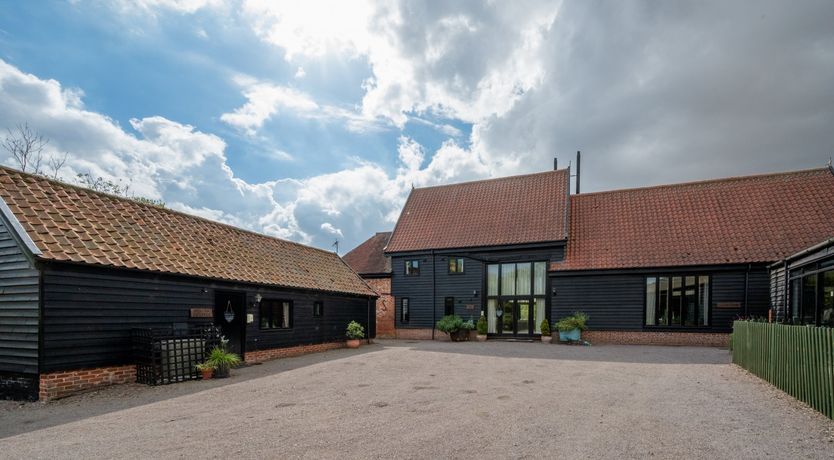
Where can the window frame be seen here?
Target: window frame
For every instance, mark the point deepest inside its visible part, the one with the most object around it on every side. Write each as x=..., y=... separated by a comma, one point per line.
x=280, y=304
x=409, y=267
x=447, y=303
x=499, y=297
x=460, y=267
x=405, y=310
x=669, y=295
x=318, y=309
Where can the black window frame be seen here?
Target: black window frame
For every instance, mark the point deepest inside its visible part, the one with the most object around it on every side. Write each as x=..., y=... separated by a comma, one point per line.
x=459, y=266
x=799, y=275
x=405, y=310
x=273, y=303
x=670, y=293
x=448, y=306
x=318, y=309
x=500, y=297
x=412, y=267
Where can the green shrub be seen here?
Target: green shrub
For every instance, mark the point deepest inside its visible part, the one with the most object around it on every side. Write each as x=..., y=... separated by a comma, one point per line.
x=545, y=327
x=451, y=323
x=355, y=331
x=220, y=359
x=482, y=325
x=578, y=320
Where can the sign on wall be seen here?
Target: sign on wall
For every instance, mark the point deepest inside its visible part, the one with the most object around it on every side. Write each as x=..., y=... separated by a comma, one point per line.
x=202, y=313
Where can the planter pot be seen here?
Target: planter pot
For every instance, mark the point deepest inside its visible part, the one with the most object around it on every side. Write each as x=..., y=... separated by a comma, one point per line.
x=547, y=338
x=480, y=338
x=572, y=335
x=353, y=343
x=222, y=372
x=459, y=336
x=207, y=373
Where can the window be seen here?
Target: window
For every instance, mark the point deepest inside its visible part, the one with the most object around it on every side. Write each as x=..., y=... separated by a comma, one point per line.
x=276, y=314
x=456, y=265
x=412, y=268
x=404, y=313
x=812, y=296
x=677, y=301
x=515, y=297
x=449, y=306
x=318, y=309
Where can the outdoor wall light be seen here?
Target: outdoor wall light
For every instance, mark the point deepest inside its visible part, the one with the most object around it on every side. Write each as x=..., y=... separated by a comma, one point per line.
x=258, y=298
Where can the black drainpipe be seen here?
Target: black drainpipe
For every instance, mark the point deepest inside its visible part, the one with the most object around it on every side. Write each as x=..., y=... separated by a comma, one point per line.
x=746, y=284
x=433, y=295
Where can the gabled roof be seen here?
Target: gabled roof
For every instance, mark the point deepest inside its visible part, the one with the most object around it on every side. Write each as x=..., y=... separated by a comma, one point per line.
x=369, y=258
x=74, y=224
x=750, y=219
x=504, y=211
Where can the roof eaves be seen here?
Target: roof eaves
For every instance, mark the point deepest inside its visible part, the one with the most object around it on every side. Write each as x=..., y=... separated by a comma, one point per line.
x=18, y=229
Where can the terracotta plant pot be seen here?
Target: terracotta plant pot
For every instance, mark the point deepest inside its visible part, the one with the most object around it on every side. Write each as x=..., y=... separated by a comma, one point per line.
x=547, y=338
x=353, y=343
x=207, y=373
x=480, y=338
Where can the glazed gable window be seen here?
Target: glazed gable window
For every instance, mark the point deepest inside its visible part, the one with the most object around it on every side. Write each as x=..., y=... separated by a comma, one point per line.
x=412, y=268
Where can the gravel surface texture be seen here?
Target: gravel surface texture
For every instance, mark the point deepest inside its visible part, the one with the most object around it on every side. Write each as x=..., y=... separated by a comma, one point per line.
x=409, y=399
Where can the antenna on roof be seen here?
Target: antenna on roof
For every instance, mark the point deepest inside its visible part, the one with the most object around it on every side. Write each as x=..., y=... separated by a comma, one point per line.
x=830, y=167
x=336, y=245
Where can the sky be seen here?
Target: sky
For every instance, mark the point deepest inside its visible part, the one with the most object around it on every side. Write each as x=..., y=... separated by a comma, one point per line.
x=312, y=120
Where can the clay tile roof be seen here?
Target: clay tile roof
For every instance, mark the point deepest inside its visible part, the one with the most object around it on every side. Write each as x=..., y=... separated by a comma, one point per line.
x=492, y=212
x=368, y=258
x=69, y=223
x=736, y=220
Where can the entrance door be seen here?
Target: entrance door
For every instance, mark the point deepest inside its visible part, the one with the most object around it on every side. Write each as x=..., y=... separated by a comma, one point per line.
x=515, y=317
x=230, y=316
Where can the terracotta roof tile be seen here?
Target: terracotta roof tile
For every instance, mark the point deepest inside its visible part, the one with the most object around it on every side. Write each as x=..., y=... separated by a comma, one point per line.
x=69, y=223
x=369, y=258
x=503, y=211
x=737, y=220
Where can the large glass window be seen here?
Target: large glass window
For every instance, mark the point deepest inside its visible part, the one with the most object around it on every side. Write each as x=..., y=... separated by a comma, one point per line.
x=523, y=274
x=516, y=302
x=492, y=280
x=276, y=314
x=827, y=316
x=539, y=278
x=812, y=295
x=508, y=279
x=677, y=301
x=809, y=299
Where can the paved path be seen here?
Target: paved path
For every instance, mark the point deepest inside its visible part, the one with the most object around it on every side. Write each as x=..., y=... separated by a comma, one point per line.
x=439, y=400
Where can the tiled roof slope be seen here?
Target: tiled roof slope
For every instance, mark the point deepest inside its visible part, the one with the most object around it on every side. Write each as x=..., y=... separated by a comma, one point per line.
x=74, y=224
x=503, y=211
x=368, y=258
x=737, y=220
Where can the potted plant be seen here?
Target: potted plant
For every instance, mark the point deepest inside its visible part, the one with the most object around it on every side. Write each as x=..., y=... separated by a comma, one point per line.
x=355, y=332
x=457, y=328
x=545, y=327
x=482, y=327
x=206, y=370
x=571, y=327
x=221, y=360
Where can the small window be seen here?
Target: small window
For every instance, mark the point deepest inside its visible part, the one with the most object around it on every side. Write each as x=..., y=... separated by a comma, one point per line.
x=318, y=309
x=276, y=314
x=404, y=311
x=412, y=268
x=456, y=265
x=449, y=306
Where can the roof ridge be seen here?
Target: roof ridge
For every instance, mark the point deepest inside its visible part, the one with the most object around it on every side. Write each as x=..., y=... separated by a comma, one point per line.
x=705, y=181
x=155, y=207
x=491, y=179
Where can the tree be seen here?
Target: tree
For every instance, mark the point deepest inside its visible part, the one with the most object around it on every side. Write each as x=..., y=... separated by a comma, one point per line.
x=26, y=147
x=101, y=184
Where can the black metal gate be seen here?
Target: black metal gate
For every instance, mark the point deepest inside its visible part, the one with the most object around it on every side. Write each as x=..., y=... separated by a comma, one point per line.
x=170, y=355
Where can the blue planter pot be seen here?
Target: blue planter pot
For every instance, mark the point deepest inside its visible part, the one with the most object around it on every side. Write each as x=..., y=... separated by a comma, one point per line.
x=570, y=336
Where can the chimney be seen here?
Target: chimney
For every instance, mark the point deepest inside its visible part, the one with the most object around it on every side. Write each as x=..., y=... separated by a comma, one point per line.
x=578, y=159
x=555, y=163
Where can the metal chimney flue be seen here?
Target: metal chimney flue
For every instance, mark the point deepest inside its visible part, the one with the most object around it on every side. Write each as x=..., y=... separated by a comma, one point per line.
x=555, y=163
x=578, y=159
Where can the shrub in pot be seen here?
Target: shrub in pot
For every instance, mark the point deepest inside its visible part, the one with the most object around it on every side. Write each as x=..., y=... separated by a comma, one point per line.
x=354, y=333
x=482, y=327
x=545, y=327
x=571, y=327
x=206, y=370
x=457, y=328
x=222, y=361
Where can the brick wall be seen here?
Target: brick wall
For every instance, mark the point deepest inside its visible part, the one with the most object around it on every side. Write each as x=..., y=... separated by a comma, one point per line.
x=698, y=339
x=258, y=356
x=59, y=384
x=385, y=311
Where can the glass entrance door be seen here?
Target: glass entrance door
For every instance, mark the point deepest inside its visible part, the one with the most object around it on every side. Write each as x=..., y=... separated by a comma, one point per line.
x=515, y=317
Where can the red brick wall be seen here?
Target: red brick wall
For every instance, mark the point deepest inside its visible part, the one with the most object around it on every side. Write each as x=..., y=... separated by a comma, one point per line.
x=385, y=311
x=699, y=339
x=258, y=356
x=59, y=384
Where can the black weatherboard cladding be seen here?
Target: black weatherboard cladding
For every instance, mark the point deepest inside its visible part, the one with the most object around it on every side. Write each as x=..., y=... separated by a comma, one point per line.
x=88, y=313
x=467, y=288
x=19, y=286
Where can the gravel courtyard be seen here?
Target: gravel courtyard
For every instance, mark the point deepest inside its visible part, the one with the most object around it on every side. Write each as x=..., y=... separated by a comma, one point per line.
x=406, y=399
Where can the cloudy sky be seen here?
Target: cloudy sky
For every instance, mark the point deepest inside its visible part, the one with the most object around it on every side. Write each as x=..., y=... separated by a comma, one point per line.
x=312, y=120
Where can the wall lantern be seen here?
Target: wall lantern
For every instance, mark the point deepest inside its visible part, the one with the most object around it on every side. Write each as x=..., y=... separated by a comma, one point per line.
x=258, y=298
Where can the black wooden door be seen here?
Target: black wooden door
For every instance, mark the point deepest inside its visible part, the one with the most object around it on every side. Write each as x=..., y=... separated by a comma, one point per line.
x=230, y=316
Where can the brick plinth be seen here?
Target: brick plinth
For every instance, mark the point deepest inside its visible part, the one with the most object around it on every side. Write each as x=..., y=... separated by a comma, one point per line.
x=415, y=334
x=59, y=384
x=697, y=339
x=258, y=356
x=384, y=307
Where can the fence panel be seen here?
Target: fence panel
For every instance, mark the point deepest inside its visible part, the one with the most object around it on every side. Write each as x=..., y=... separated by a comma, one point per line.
x=798, y=360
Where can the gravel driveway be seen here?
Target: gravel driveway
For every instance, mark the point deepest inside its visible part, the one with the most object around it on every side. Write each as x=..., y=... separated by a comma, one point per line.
x=438, y=400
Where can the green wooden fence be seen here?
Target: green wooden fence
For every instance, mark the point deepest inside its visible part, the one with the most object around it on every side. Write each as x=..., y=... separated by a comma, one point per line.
x=799, y=360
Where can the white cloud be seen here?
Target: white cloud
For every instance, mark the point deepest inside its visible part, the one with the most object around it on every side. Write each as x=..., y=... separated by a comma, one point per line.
x=329, y=228
x=300, y=73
